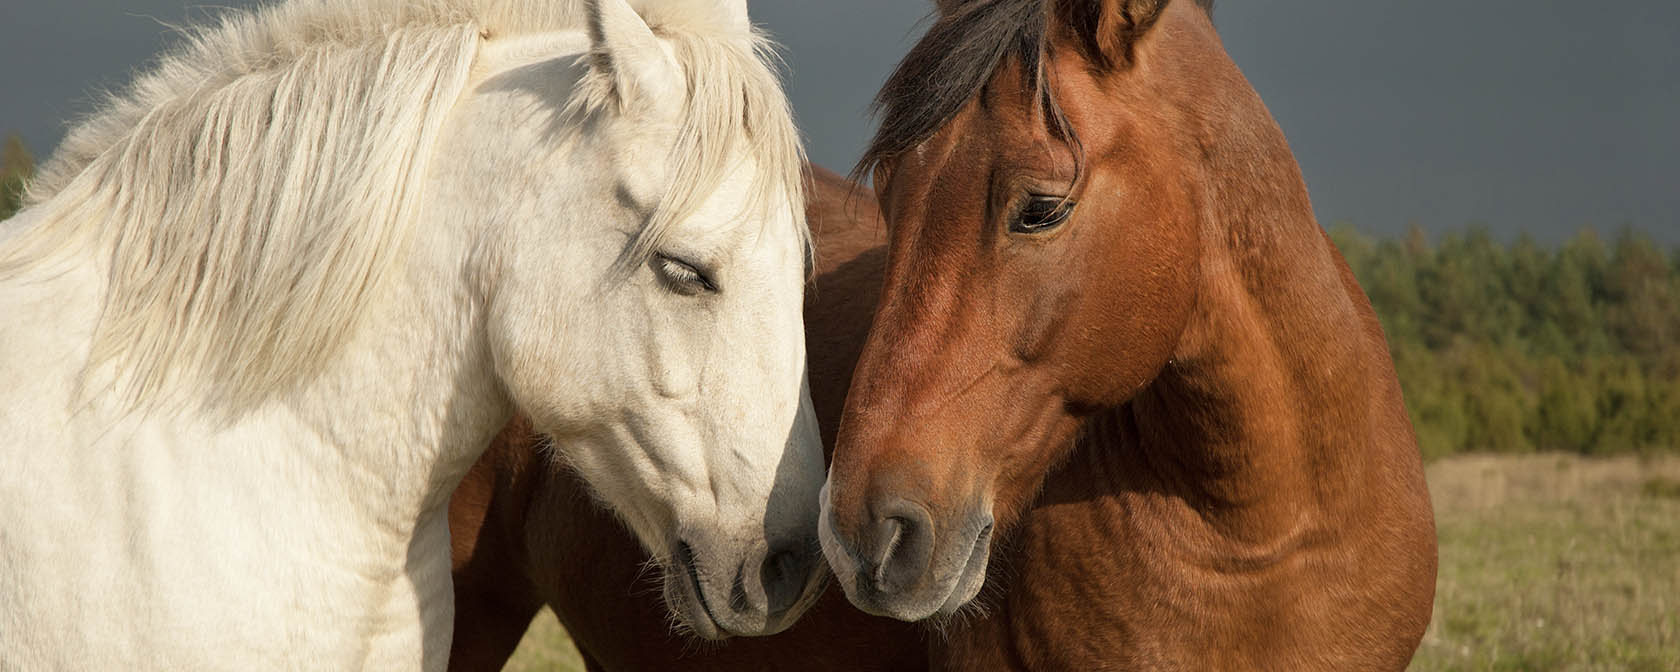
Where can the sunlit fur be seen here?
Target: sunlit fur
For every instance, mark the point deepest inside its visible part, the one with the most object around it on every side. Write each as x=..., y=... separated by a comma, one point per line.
x=1172, y=416
x=281, y=276
x=264, y=307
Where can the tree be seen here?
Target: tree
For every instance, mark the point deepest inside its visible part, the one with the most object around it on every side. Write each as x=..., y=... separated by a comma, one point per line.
x=1517, y=347
x=17, y=165
x=1644, y=311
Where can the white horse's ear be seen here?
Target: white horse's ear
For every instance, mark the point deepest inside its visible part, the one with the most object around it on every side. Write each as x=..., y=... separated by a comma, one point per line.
x=728, y=17
x=624, y=50
x=733, y=13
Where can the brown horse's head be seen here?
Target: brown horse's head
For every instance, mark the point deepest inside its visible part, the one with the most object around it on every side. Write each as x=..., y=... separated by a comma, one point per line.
x=1037, y=164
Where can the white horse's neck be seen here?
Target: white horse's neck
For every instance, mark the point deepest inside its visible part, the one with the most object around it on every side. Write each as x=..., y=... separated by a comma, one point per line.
x=385, y=161
x=311, y=529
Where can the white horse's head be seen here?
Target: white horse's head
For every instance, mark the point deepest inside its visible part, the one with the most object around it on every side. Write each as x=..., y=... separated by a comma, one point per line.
x=646, y=251
x=372, y=219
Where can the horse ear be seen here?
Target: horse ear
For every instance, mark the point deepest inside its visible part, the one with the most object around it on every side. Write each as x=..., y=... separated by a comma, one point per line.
x=733, y=14
x=624, y=51
x=1109, y=29
x=728, y=17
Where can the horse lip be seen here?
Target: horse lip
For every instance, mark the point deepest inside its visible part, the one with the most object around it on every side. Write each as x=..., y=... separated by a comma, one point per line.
x=974, y=569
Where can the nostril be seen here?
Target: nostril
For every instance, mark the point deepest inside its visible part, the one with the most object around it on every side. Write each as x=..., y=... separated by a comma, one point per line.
x=784, y=574
x=685, y=561
x=903, y=546
x=685, y=555
x=888, y=532
x=780, y=566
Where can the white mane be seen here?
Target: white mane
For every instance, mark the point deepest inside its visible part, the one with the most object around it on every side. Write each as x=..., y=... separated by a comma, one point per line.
x=251, y=191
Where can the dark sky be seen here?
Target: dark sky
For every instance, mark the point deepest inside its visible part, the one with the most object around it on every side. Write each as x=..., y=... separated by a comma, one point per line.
x=1521, y=115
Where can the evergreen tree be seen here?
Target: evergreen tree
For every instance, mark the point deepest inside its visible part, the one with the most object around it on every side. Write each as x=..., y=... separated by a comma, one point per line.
x=17, y=165
x=1515, y=348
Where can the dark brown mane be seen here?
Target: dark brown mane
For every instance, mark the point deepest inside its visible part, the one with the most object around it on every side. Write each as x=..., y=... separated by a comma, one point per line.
x=955, y=59
x=947, y=67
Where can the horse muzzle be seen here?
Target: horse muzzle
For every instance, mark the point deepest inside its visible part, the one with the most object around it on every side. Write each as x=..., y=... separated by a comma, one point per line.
x=902, y=564
x=761, y=596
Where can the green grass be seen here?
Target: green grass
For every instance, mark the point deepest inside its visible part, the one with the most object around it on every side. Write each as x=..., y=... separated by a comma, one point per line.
x=1548, y=562
x=1555, y=563
x=545, y=648
x=1661, y=487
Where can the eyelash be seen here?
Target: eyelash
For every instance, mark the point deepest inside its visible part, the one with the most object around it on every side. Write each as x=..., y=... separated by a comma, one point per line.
x=684, y=277
x=1060, y=209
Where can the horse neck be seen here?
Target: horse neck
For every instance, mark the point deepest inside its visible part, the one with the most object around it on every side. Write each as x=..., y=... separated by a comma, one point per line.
x=412, y=394
x=332, y=492
x=1264, y=420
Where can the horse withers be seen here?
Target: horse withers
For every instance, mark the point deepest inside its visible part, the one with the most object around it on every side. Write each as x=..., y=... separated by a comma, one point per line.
x=264, y=309
x=1118, y=372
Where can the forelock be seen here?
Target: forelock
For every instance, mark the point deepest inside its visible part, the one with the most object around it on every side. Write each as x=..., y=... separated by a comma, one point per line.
x=947, y=67
x=952, y=62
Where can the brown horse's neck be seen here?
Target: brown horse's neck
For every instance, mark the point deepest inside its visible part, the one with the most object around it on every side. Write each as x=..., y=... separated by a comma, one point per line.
x=1259, y=423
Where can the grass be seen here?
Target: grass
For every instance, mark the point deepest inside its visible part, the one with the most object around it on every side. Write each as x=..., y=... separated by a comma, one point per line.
x=1555, y=563
x=1548, y=562
x=545, y=648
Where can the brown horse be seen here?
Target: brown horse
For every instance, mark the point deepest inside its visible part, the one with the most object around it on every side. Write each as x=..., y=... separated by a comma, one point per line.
x=517, y=518
x=1104, y=266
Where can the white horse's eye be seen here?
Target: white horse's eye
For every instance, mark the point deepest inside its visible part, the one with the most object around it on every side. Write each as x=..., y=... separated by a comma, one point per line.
x=682, y=277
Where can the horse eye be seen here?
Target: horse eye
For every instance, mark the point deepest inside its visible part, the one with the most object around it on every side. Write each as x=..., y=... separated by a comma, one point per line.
x=682, y=277
x=1041, y=214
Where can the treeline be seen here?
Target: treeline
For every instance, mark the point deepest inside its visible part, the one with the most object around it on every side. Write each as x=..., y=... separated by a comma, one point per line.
x=16, y=165
x=1522, y=347
x=1500, y=347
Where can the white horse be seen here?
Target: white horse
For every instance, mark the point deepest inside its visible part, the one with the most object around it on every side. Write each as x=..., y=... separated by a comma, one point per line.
x=266, y=308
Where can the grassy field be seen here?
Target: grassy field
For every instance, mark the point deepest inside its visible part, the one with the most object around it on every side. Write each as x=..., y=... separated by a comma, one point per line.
x=1548, y=562
x=1555, y=563
x=545, y=648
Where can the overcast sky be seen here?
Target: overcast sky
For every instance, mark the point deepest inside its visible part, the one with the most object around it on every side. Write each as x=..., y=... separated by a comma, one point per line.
x=1522, y=115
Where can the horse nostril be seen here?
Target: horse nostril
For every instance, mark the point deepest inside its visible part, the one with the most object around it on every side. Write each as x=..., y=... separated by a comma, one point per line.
x=685, y=555
x=902, y=543
x=685, y=561
x=784, y=574
x=888, y=532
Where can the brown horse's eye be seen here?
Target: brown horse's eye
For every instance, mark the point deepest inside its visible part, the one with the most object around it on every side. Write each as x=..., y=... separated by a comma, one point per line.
x=1041, y=214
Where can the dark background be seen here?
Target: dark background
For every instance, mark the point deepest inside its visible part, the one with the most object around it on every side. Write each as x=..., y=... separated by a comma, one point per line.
x=1543, y=116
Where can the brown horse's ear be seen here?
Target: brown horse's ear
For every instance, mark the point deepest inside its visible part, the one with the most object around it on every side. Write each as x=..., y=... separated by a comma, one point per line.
x=1108, y=29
